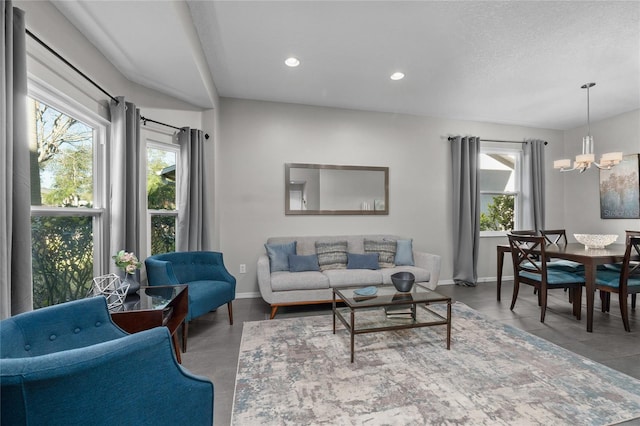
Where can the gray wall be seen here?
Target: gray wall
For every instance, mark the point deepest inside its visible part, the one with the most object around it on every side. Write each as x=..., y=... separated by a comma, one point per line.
x=582, y=202
x=257, y=138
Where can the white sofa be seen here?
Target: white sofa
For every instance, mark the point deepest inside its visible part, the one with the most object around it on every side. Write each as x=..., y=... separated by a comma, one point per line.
x=285, y=288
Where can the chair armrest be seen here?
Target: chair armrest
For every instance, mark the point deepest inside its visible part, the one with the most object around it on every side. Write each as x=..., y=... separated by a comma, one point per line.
x=430, y=262
x=220, y=270
x=132, y=380
x=160, y=272
x=264, y=278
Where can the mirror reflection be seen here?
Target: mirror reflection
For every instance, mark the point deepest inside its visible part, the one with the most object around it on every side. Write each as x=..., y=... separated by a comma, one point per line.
x=332, y=189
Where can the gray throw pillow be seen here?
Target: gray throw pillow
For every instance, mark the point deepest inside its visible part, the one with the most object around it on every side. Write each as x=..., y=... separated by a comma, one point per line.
x=332, y=255
x=386, y=250
x=279, y=255
x=404, y=253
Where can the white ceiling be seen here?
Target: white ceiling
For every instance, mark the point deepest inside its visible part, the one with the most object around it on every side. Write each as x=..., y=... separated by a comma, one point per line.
x=502, y=62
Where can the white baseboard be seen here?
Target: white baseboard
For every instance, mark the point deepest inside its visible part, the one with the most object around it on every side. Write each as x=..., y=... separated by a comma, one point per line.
x=480, y=280
x=251, y=295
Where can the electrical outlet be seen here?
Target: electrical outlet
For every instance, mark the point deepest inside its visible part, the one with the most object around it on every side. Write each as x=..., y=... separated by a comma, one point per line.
x=243, y=268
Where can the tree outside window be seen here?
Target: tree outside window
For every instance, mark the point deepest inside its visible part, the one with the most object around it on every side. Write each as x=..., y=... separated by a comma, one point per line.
x=161, y=198
x=499, y=189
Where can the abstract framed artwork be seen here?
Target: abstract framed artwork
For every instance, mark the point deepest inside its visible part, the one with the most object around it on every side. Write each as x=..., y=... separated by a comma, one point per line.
x=620, y=190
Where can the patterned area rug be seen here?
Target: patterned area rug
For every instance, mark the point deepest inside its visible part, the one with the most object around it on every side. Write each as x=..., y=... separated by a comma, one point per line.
x=296, y=372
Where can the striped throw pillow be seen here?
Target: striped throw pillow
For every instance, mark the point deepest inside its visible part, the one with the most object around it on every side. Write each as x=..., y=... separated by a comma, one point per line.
x=332, y=255
x=386, y=250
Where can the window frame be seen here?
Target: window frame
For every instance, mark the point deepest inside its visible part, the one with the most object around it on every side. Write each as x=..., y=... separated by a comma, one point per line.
x=151, y=142
x=99, y=212
x=515, y=149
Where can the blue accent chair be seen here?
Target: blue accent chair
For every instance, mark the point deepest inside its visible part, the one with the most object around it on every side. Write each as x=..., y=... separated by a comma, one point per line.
x=210, y=284
x=69, y=364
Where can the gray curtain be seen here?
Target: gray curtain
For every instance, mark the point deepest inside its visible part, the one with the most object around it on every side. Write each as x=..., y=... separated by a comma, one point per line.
x=466, y=209
x=16, y=290
x=533, y=186
x=124, y=181
x=193, y=217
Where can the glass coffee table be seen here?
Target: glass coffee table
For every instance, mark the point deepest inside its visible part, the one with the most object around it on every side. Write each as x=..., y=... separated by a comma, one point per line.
x=390, y=310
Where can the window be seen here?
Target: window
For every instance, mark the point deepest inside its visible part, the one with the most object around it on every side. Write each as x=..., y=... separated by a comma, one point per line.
x=500, y=196
x=162, y=212
x=66, y=170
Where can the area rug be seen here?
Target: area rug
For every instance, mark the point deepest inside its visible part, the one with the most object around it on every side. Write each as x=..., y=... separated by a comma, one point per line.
x=297, y=372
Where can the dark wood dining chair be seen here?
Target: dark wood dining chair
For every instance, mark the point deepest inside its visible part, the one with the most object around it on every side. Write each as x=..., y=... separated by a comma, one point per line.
x=626, y=281
x=605, y=294
x=554, y=236
x=527, y=269
x=559, y=237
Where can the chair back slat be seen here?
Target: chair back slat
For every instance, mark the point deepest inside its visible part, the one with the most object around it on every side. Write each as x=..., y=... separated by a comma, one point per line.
x=523, y=255
x=525, y=232
x=554, y=236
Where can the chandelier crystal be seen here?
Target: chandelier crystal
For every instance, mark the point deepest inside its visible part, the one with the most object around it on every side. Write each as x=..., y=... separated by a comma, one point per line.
x=587, y=158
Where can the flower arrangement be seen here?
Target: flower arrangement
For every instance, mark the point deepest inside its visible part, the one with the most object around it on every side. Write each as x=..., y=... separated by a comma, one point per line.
x=128, y=262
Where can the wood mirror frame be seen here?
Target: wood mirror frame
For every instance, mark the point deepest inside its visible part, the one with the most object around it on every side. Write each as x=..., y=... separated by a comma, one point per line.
x=322, y=189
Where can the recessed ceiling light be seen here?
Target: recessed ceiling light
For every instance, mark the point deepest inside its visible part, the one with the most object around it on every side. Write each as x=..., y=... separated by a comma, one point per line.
x=292, y=62
x=397, y=76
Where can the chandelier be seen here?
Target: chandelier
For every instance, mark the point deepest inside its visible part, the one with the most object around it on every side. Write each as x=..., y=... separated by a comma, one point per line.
x=587, y=158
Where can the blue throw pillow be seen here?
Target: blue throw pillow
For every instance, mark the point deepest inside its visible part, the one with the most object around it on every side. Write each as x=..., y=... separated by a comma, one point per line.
x=404, y=253
x=362, y=261
x=303, y=263
x=279, y=255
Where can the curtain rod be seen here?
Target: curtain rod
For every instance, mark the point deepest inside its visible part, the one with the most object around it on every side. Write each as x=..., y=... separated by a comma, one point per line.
x=70, y=65
x=57, y=55
x=145, y=119
x=450, y=138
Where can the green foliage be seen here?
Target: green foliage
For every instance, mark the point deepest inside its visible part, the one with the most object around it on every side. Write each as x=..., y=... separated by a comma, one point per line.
x=500, y=214
x=62, y=256
x=161, y=195
x=73, y=180
x=163, y=234
x=161, y=191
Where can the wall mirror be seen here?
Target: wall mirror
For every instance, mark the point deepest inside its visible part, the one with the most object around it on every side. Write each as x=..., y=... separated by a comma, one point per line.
x=319, y=189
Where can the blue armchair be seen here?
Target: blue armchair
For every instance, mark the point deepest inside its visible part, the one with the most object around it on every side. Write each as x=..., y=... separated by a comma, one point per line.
x=210, y=284
x=69, y=364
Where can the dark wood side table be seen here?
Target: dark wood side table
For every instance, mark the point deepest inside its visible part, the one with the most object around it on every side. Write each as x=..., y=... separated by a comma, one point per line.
x=158, y=306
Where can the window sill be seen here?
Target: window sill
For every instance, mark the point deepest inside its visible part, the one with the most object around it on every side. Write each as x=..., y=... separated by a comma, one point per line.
x=493, y=234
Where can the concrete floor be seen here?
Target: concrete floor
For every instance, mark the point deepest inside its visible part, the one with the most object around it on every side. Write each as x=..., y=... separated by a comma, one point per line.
x=214, y=344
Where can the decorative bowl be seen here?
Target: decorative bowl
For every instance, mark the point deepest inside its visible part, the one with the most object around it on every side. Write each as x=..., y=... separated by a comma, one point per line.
x=592, y=241
x=403, y=281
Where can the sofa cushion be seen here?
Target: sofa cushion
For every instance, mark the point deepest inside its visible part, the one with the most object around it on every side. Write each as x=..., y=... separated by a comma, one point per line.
x=303, y=263
x=362, y=261
x=404, y=253
x=422, y=275
x=353, y=277
x=332, y=255
x=386, y=250
x=279, y=255
x=282, y=281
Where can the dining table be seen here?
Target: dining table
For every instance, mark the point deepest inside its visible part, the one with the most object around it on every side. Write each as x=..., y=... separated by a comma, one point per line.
x=589, y=257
